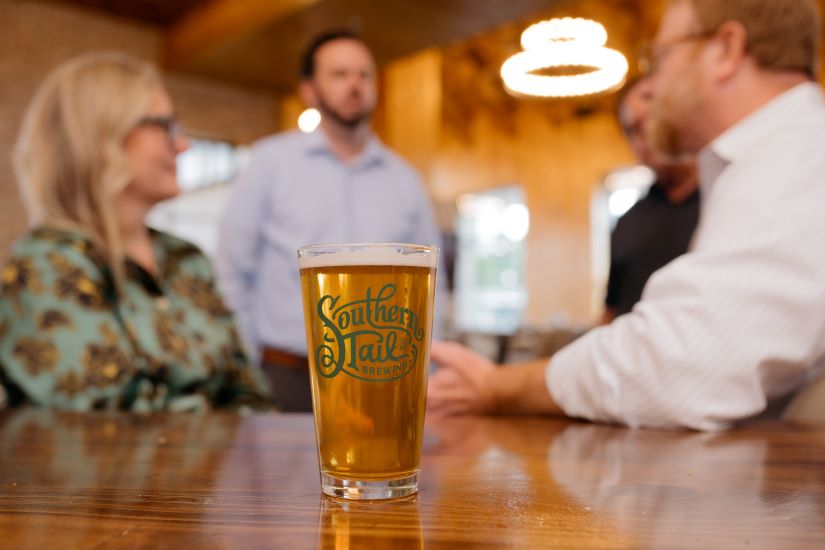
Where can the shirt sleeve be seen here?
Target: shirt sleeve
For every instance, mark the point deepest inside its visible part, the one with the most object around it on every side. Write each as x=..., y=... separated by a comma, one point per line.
x=240, y=243
x=719, y=331
x=61, y=345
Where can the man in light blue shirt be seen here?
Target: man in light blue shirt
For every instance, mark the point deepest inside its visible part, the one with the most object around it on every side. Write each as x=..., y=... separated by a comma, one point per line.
x=336, y=184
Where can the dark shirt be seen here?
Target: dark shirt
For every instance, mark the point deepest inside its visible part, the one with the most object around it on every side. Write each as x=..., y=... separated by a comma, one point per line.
x=650, y=235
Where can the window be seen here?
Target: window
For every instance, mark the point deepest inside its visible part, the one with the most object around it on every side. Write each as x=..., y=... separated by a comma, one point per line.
x=624, y=187
x=204, y=173
x=490, y=285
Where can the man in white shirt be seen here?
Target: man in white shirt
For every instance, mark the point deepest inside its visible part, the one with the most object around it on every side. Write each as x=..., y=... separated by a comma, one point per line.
x=735, y=326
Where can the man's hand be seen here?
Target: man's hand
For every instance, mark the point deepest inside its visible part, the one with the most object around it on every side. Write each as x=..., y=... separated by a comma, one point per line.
x=467, y=383
x=461, y=384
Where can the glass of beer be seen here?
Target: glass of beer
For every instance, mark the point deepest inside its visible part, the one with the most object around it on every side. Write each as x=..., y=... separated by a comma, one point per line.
x=368, y=311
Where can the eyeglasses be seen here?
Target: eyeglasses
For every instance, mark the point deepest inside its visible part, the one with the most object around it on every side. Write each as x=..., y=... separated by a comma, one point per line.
x=654, y=54
x=169, y=124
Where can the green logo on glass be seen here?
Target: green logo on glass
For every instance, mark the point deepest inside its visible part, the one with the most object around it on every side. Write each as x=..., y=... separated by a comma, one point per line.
x=368, y=339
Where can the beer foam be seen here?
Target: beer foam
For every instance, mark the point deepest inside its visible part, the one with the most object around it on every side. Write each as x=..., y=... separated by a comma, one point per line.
x=350, y=255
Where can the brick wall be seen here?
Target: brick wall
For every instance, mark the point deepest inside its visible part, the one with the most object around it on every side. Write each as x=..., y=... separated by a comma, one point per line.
x=37, y=36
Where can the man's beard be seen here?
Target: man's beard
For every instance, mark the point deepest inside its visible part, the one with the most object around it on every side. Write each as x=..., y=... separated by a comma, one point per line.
x=666, y=140
x=670, y=117
x=350, y=122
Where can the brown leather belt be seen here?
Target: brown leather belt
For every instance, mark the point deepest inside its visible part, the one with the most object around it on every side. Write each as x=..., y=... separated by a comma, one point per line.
x=283, y=358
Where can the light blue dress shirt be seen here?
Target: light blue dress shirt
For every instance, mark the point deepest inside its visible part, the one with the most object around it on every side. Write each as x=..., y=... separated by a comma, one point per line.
x=296, y=192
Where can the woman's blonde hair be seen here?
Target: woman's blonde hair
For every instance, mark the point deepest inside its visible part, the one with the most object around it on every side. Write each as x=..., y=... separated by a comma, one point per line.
x=69, y=157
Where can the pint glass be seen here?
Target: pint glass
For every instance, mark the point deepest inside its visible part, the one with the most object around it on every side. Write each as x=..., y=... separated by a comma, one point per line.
x=368, y=311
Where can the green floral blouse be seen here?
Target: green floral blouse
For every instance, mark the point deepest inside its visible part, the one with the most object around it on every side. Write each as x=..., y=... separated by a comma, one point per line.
x=67, y=340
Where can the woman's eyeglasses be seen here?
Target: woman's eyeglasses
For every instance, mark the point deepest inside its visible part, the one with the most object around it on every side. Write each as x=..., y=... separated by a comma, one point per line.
x=169, y=124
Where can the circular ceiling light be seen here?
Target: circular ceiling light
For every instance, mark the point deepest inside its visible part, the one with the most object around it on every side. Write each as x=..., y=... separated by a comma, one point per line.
x=560, y=43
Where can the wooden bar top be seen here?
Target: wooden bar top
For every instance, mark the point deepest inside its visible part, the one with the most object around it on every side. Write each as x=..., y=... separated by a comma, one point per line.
x=227, y=481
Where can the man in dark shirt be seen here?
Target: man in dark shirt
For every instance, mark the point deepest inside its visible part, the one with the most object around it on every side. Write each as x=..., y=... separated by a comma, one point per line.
x=659, y=227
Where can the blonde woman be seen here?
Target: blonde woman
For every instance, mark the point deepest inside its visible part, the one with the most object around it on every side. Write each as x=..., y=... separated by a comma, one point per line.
x=97, y=310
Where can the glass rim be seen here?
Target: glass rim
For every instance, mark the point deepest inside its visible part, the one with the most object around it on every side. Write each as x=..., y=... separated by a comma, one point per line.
x=335, y=247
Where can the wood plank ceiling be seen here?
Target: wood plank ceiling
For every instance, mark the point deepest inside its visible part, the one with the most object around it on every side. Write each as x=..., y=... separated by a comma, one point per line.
x=156, y=12
x=259, y=42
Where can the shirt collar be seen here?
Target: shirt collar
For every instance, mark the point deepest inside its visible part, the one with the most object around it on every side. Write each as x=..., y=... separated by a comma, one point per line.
x=738, y=140
x=318, y=144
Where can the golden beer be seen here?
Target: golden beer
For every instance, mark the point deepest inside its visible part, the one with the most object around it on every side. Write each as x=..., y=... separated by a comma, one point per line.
x=368, y=312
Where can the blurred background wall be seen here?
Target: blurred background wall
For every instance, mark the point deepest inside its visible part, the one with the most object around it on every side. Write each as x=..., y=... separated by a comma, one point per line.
x=231, y=68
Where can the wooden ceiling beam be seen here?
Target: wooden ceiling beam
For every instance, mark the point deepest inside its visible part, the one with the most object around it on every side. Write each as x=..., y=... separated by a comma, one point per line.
x=220, y=23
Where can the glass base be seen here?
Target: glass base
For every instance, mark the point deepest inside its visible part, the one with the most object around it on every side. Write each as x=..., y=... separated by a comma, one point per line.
x=351, y=489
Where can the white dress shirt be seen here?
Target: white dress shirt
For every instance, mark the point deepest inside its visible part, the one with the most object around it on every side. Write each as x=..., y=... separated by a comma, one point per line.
x=739, y=321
